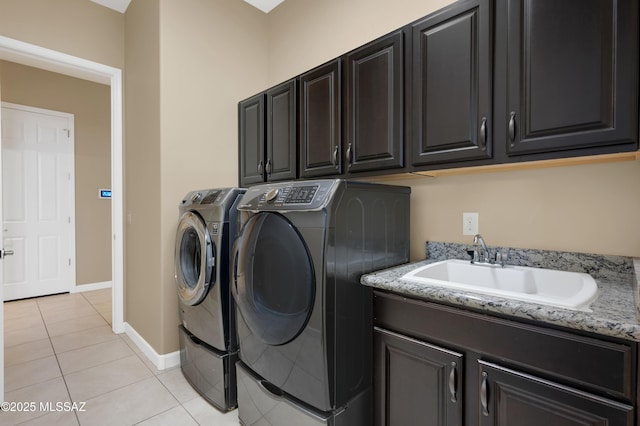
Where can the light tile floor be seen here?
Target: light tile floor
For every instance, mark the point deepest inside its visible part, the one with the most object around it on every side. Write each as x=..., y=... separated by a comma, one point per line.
x=60, y=349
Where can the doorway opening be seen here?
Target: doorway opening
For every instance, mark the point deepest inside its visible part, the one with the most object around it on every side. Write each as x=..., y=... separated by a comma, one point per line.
x=51, y=60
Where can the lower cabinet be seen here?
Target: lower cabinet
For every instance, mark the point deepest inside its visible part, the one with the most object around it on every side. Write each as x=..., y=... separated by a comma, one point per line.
x=442, y=366
x=509, y=397
x=413, y=378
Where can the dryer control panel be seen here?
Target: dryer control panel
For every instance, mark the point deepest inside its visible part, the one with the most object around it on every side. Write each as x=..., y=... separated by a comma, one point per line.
x=302, y=195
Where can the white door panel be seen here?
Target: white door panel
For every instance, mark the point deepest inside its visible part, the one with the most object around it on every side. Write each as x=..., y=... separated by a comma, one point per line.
x=38, y=202
x=12, y=165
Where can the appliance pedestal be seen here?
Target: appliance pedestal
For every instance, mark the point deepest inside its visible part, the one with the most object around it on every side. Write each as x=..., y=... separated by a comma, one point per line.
x=209, y=371
x=260, y=403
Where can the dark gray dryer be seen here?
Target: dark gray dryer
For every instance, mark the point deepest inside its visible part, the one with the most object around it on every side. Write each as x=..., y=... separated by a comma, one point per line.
x=304, y=320
x=208, y=345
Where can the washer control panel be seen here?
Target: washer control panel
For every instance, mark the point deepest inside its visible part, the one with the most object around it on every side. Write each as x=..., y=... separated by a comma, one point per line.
x=210, y=198
x=303, y=195
x=291, y=194
x=205, y=196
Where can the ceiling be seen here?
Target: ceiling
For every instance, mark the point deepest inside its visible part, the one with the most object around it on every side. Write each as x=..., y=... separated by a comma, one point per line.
x=121, y=5
x=264, y=5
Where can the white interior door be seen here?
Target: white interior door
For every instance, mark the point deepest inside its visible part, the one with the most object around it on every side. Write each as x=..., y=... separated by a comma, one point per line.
x=38, y=201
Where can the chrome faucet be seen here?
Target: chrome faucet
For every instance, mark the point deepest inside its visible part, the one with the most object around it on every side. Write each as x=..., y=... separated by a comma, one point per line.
x=483, y=254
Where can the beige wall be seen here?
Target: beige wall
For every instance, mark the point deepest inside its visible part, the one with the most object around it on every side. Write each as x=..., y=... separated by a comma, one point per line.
x=306, y=33
x=593, y=209
x=143, y=193
x=90, y=104
x=587, y=208
x=213, y=53
x=188, y=63
x=78, y=27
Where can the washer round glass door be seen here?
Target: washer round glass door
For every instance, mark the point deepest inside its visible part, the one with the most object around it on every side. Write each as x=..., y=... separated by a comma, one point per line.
x=274, y=280
x=194, y=259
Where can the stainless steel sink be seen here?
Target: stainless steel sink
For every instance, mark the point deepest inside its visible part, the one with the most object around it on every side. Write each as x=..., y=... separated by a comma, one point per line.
x=571, y=290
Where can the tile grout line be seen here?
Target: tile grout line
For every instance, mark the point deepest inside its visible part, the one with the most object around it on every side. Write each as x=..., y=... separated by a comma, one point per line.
x=55, y=353
x=180, y=403
x=45, y=306
x=140, y=356
x=42, y=319
x=117, y=389
x=95, y=309
x=155, y=376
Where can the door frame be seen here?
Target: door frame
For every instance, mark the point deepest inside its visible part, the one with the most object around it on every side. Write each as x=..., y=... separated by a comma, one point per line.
x=51, y=60
x=1, y=284
x=71, y=234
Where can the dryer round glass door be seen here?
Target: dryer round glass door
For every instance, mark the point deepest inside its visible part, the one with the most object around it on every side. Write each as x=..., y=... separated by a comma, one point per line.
x=194, y=259
x=274, y=283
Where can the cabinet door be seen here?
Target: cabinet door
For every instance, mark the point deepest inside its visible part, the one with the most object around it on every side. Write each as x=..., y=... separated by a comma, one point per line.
x=451, y=84
x=374, y=103
x=508, y=397
x=281, y=159
x=320, y=109
x=415, y=383
x=572, y=75
x=251, y=135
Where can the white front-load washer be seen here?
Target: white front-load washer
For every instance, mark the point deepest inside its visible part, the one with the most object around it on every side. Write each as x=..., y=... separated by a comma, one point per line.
x=207, y=229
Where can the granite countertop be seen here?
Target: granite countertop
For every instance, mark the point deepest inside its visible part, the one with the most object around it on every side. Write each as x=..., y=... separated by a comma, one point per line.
x=614, y=313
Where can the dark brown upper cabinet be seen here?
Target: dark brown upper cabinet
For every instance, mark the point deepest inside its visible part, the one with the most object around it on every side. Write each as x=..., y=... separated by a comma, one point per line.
x=251, y=140
x=282, y=133
x=268, y=135
x=451, y=74
x=320, y=124
x=571, y=77
x=374, y=95
x=478, y=82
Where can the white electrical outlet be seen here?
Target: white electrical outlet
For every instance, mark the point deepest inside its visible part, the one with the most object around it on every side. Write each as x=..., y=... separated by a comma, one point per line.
x=469, y=223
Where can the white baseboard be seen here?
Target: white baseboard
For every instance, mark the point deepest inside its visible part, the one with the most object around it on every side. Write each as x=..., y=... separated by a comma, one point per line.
x=162, y=362
x=90, y=287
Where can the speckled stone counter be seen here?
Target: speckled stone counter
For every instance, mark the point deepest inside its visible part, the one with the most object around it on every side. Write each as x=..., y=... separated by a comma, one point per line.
x=614, y=313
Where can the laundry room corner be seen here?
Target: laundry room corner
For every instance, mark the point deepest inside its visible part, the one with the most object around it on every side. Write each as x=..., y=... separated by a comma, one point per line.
x=184, y=126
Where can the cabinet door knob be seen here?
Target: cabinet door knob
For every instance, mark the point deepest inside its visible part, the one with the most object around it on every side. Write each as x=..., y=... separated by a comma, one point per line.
x=453, y=382
x=483, y=134
x=512, y=128
x=484, y=397
x=335, y=157
x=267, y=167
x=260, y=167
x=349, y=154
